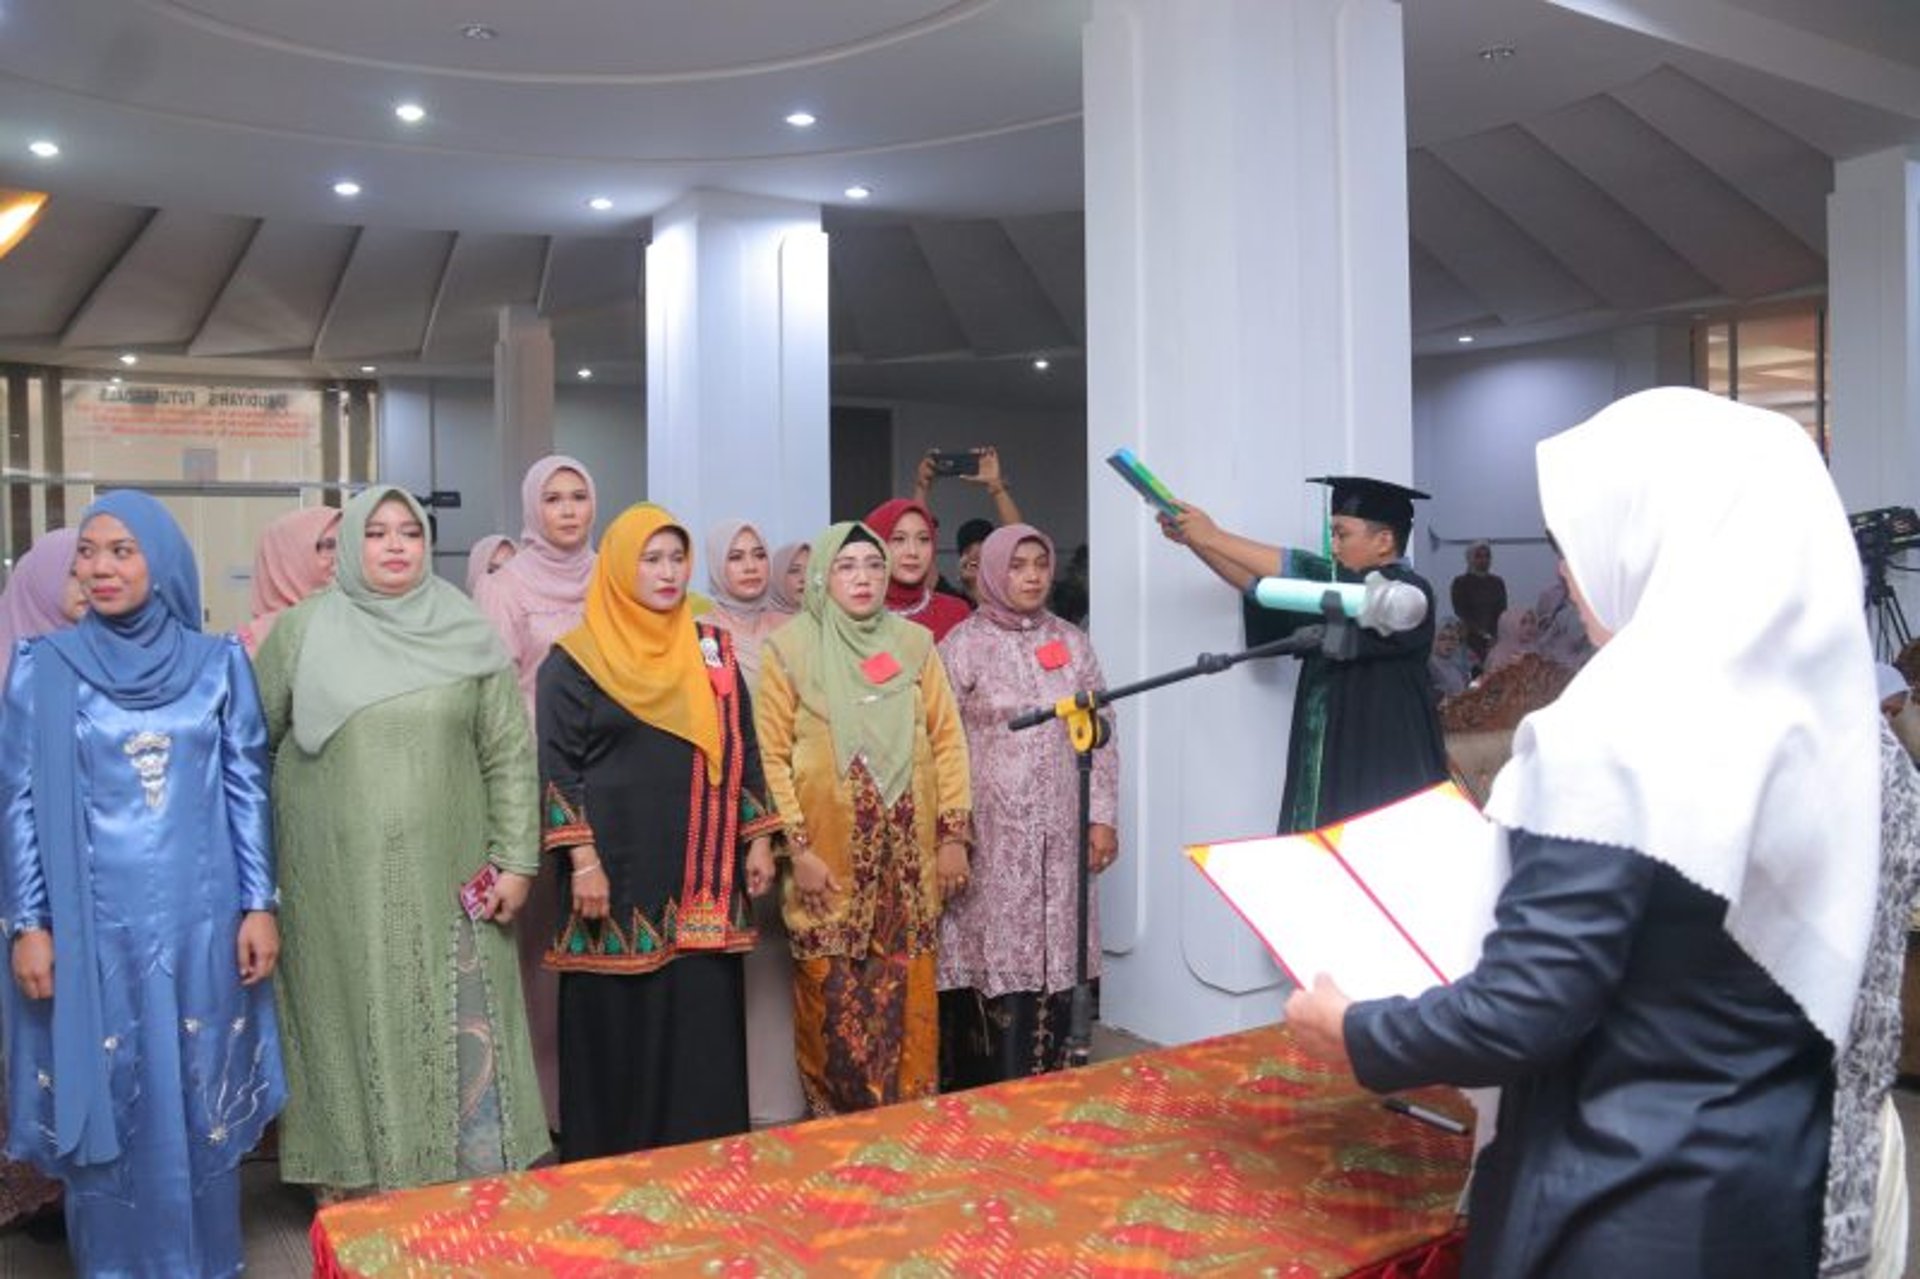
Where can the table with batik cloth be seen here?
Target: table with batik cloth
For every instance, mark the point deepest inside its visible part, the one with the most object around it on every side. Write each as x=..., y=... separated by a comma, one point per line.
x=1238, y=1155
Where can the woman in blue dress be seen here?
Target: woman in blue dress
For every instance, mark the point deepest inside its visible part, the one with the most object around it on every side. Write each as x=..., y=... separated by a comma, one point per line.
x=137, y=886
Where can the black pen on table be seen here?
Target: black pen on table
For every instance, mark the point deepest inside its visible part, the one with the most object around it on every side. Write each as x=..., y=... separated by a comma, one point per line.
x=1446, y=1123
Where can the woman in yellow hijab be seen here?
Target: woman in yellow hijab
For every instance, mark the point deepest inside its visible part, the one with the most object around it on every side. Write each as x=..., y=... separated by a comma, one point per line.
x=652, y=800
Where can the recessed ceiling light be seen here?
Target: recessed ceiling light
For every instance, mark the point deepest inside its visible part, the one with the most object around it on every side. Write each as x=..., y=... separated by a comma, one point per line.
x=1465, y=339
x=584, y=374
x=1496, y=53
x=857, y=192
x=347, y=188
x=599, y=204
x=1042, y=364
x=410, y=112
x=802, y=119
x=44, y=149
x=115, y=380
x=479, y=31
x=129, y=359
x=369, y=368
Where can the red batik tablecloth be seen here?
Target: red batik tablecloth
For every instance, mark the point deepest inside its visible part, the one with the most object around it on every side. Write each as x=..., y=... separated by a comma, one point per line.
x=1236, y=1155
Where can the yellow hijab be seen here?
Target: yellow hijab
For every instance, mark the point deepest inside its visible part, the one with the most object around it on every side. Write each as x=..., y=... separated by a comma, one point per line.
x=648, y=662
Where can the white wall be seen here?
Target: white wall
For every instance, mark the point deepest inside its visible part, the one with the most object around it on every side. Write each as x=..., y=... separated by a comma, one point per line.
x=437, y=433
x=1476, y=418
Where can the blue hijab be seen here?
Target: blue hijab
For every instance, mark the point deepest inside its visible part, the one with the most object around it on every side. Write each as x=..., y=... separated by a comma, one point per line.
x=148, y=658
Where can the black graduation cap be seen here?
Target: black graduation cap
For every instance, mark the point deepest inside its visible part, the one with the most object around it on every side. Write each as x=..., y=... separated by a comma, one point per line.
x=1381, y=501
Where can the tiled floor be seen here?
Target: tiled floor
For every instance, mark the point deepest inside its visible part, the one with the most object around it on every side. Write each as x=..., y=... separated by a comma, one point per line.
x=277, y=1216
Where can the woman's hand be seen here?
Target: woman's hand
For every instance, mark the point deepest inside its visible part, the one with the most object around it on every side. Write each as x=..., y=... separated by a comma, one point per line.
x=591, y=887
x=507, y=896
x=813, y=881
x=258, y=946
x=988, y=472
x=760, y=868
x=1318, y=1019
x=1103, y=846
x=33, y=963
x=950, y=867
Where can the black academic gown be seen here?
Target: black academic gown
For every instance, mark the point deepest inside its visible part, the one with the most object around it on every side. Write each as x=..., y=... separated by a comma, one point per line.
x=1665, y=1107
x=1366, y=730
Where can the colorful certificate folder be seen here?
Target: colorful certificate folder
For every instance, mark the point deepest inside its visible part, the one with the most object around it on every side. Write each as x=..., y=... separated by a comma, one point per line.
x=1144, y=482
x=1393, y=902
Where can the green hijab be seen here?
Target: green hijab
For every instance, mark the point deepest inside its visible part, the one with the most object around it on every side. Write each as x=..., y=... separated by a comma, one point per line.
x=363, y=647
x=826, y=648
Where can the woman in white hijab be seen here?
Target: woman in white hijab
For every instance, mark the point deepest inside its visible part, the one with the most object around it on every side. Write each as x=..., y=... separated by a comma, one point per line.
x=1694, y=831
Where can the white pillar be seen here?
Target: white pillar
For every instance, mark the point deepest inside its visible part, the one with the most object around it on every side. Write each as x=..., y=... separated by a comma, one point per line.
x=737, y=364
x=1248, y=326
x=1873, y=281
x=522, y=405
x=1873, y=298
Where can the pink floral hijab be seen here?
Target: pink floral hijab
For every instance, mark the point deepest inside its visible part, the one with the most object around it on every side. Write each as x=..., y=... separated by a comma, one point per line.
x=996, y=560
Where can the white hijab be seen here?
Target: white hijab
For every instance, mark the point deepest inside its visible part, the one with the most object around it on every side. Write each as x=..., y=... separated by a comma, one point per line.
x=1728, y=728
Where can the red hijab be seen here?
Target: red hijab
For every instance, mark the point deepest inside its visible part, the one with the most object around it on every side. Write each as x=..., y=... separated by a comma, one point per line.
x=935, y=610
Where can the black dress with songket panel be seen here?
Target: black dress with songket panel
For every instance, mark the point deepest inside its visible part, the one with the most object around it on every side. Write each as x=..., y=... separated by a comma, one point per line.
x=652, y=1004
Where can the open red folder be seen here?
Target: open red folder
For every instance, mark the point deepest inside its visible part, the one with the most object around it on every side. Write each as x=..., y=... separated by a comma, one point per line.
x=1388, y=903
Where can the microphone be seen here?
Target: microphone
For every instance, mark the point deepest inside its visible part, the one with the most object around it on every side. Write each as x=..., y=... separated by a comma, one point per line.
x=1380, y=604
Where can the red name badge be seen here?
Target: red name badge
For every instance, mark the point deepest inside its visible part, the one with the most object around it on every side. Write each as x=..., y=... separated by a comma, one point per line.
x=880, y=668
x=722, y=680
x=1053, y=655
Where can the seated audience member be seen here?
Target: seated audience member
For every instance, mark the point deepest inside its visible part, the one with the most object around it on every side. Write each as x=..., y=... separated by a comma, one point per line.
x=1562, y=636
x=1519, y=634
x=1660, y=1010
x=1449, y=663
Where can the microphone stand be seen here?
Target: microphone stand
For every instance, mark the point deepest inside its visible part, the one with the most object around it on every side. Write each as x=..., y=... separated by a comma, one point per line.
x=1088, y=732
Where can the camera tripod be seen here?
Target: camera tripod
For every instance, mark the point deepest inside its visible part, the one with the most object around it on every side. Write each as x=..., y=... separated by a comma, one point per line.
x=1885, y=618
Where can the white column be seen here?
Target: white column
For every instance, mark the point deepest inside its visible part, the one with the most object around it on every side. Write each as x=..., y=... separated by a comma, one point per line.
x=1873, y=298
x=1873, y=281
x=737, y=364
x=1248, y=326
x=522, y=406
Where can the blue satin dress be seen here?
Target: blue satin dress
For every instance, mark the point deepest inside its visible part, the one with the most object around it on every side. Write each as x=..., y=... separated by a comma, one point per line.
x=180, y=844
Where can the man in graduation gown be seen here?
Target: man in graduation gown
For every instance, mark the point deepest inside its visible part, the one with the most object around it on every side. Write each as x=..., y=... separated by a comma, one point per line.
x=1366, y=730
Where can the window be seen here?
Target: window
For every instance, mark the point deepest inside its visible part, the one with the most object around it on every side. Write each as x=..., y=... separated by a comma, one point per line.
x=1775, y=359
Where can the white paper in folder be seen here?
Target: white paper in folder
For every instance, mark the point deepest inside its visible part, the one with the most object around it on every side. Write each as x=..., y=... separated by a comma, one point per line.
x=1389, y=903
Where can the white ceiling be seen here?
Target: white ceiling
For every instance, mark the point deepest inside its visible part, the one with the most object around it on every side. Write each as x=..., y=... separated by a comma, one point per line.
x=1633, y=157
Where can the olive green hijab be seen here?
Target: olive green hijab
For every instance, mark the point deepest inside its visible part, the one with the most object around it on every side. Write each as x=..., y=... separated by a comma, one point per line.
x=827, y=649
x=363, y=647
